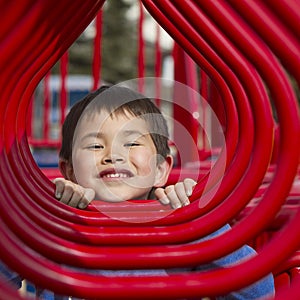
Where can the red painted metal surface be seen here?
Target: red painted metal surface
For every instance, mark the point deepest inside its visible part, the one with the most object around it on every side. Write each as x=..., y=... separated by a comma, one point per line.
x=233, y=44
x=185, y=71
x=97, y=54
x=63, y=91
x=141, y=51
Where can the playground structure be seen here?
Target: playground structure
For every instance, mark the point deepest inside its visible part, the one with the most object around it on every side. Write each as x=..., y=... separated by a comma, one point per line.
x=246, y=49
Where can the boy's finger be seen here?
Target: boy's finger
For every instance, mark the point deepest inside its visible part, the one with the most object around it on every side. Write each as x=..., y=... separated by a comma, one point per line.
x=172, y=196
x=68, y=193
x=189, y=185
x=161, y=196
x=59, y=187
x=89, y=195
x=66, y=196
x=77, y=196
x=181, y=194
x=83, y=203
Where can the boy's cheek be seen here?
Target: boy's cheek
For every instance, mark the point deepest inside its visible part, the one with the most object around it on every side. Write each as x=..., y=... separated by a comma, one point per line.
x=84, y=167
x=144, y=162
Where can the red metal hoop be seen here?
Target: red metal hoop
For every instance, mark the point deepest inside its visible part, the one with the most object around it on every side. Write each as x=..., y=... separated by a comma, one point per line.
x=39, y=234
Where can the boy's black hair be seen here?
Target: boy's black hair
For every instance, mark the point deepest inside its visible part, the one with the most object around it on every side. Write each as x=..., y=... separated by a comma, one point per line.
x=115, y=100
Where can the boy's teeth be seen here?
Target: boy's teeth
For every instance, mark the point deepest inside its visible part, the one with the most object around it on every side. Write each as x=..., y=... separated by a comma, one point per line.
x=116, y=175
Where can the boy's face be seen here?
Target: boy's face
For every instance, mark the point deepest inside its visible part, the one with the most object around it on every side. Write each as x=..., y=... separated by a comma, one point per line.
x=115, y=156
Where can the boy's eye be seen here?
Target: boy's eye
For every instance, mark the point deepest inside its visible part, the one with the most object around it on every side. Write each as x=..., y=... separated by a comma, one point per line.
x=95, y=146
x=131, y=144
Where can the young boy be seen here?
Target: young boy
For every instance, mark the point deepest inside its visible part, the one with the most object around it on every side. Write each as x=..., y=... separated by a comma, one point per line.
x=115, y=148
x=122, y=138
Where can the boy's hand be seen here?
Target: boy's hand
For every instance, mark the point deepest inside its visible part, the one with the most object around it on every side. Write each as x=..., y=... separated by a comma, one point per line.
x=176, y=195
x=73, y=194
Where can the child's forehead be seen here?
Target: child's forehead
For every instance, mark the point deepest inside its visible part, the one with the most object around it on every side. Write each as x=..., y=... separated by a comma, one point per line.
x=107, y=126
x=103, y=113
x=122, y=119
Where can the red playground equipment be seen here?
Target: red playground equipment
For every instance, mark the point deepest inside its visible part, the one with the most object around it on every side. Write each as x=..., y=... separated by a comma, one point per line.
x=249, y=56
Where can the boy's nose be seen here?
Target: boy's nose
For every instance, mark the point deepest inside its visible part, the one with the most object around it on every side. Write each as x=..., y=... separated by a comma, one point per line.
x=113, y=158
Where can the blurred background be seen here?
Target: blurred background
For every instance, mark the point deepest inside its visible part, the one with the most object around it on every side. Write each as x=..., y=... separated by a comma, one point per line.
x=119, y=43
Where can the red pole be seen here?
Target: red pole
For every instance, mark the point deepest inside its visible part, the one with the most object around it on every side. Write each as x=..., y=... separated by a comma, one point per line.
x=141, y=46
x=96, y=67
x=186, y=104
x=63, y=88
x=158, y=62
x=46, y=106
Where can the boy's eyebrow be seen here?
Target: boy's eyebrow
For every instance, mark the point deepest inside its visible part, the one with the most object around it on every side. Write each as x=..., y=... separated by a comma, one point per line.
x=133, y=132
x=126, y=133
x=96, y=134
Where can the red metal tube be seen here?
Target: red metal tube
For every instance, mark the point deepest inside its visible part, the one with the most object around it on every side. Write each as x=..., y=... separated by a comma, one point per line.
x=64, y=280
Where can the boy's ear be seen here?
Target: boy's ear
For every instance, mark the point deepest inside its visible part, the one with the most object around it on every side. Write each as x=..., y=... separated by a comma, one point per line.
x=163, y=171
x=66, y=168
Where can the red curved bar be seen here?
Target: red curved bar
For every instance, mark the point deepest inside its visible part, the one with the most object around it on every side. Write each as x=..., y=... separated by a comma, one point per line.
x=292, y=262
x=288, y=47
x=13, y=160
x=83, y=285
x=288, y=12
x=34, y=79
x=164, y=21
x=188, y=31
x=9, y=18
x=222, y=68
x=64, y=280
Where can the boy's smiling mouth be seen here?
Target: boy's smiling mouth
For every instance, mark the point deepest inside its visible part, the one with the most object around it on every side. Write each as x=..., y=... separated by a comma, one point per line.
x=112, y=173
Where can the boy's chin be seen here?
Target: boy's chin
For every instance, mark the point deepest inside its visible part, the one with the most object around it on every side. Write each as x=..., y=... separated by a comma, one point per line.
x=117, y=194
x=111, y=199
